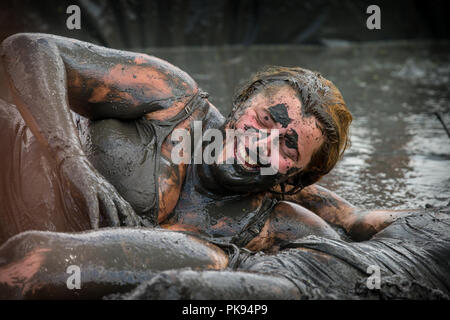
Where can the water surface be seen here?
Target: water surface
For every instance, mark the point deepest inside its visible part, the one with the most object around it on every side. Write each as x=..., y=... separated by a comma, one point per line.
x=400, y=153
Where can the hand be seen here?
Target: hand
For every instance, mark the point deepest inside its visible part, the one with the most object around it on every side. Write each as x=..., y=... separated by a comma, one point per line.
x=85, y=183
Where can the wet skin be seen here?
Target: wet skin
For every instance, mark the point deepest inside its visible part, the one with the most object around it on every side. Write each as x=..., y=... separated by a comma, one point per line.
x=51, y=76
x=33, y=264
x=279, y=107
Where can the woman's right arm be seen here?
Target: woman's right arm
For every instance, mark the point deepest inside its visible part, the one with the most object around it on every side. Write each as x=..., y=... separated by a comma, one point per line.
x=51, y=75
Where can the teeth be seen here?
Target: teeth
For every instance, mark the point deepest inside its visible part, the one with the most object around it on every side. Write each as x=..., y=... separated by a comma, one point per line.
x=243, y=157
x=252, y=160
x=242, y=153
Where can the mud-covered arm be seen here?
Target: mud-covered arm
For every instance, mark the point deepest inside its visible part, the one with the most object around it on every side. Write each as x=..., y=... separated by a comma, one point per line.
x=360, y=224
x=289, y=221
x=49, y=75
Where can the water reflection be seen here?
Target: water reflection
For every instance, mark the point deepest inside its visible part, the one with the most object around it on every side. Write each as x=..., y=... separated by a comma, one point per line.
x=400, y=154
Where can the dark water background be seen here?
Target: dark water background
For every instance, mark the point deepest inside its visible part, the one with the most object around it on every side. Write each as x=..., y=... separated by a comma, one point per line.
x=400, y=153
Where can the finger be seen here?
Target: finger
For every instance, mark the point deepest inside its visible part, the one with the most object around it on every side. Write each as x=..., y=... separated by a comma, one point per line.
x=127, y=214
x=93, y=211
x=108, y=208
x=144, y=222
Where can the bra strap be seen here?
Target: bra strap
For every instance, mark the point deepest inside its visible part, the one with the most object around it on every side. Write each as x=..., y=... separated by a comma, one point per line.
x=161, y=130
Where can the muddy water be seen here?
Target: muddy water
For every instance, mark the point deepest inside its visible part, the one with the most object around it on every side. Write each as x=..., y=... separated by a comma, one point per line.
x=400, y=154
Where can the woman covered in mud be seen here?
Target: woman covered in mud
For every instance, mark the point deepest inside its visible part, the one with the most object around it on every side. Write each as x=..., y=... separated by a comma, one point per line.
x=86, y=144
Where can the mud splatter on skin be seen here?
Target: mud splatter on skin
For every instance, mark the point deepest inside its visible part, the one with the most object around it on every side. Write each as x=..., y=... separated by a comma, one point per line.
x=280, y=114
x=293, y=170
x=292, y=140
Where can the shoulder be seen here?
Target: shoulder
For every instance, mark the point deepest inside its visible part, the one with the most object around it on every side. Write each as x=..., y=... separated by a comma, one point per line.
x=213, y=118
x=159, y=70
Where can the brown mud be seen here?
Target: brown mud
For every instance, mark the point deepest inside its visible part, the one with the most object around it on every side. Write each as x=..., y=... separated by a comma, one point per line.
x=279, y=114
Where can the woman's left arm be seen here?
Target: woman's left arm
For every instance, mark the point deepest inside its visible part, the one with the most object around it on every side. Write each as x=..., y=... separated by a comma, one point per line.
x=360, y=224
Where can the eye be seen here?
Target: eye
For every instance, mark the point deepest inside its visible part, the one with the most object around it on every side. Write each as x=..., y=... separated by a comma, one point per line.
x=264, y=119
x=288, y=152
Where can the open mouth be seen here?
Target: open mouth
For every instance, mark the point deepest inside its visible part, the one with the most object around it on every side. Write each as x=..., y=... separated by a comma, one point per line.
x=242, y=155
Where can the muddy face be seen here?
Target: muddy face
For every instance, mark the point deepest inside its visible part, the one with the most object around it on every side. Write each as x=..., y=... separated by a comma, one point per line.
x=273, y=107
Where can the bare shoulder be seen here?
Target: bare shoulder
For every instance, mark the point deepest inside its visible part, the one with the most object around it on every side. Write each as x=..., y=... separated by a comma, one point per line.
x=287, y=222
x=213, y=118
x=325, y=203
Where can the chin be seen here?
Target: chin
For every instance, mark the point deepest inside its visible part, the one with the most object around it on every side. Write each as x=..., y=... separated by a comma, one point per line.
x=236, y=178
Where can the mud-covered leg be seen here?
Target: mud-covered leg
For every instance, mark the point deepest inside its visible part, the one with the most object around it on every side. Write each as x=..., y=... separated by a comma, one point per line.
x=220, y=285
x=31, y=194
x=36, y=264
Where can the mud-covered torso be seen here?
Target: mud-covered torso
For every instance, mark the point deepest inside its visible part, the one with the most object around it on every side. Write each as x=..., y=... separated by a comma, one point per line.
x=225, y=217
x=135, y=156
x=411, y=256
x=123, y=154
x=126, y=151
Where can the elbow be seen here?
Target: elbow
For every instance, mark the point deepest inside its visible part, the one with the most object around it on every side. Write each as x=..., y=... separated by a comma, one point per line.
x=20, y=44
x=24, y=54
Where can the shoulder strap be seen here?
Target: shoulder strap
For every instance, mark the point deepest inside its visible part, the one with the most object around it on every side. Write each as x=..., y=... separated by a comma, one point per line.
x=160, y=129
x=255, y=222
